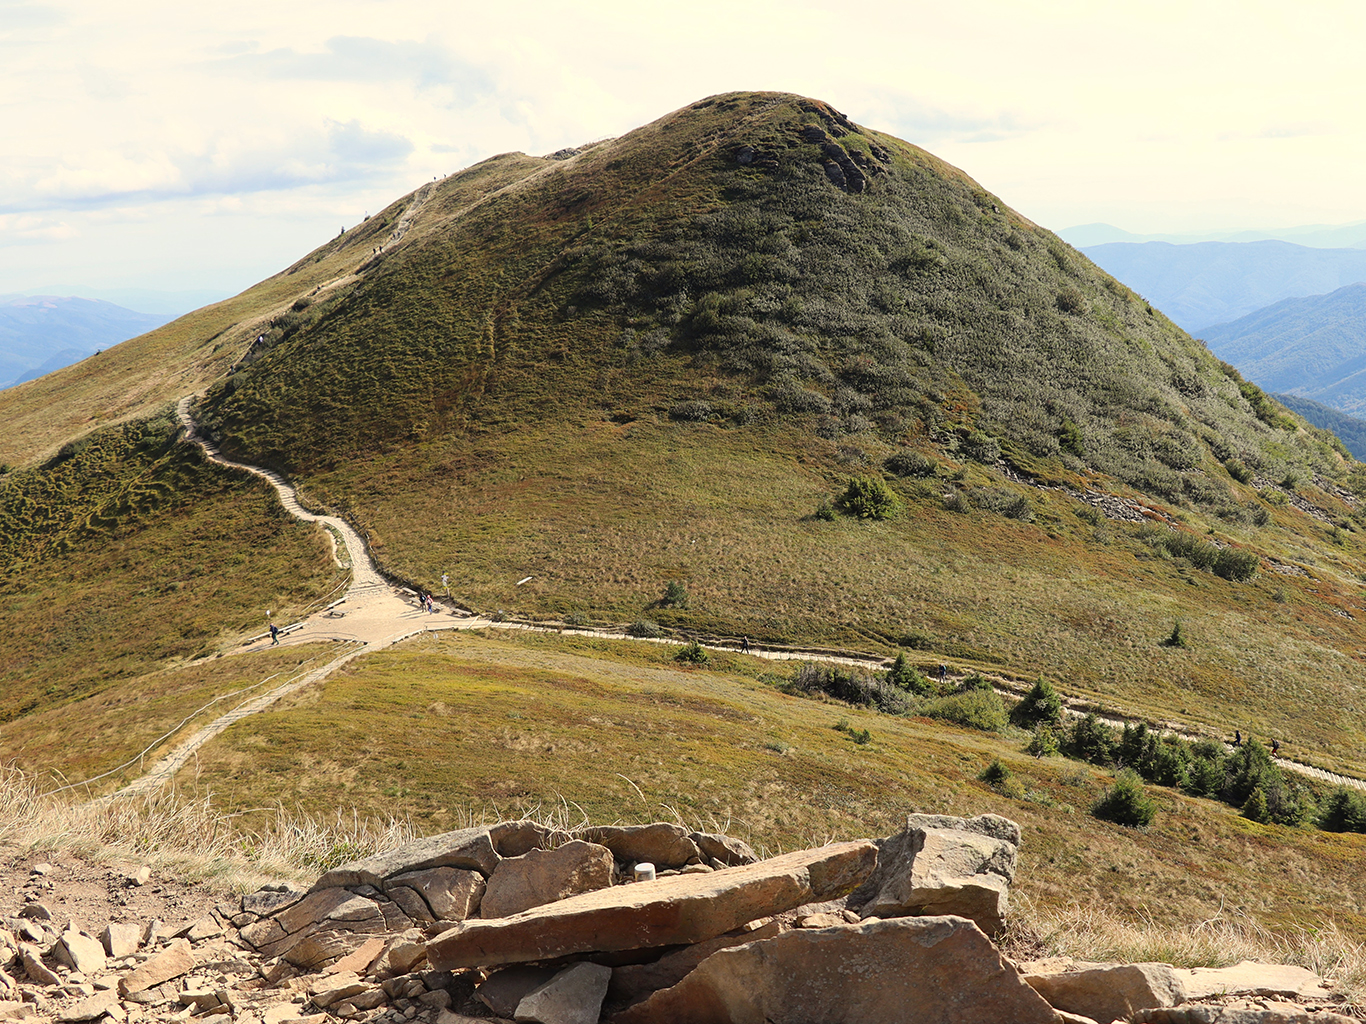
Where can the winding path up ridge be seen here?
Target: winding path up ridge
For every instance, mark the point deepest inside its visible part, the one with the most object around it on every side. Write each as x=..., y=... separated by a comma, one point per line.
x=380, y=616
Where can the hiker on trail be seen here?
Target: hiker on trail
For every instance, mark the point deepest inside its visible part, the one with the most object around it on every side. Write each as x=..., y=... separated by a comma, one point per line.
x=274, y=633
x=1237, y=738
x=943, y=673
x=744, y=645
x=430, y=609
x=1275, y=747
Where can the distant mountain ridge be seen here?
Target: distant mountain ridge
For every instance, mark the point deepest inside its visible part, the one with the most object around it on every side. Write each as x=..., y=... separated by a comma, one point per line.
x=42, y=333
x=1314, y=347
x=1319, y=236
x=1219, y=282
x=1350, y=430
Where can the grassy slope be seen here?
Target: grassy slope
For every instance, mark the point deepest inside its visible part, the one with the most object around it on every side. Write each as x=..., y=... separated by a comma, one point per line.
x=509, y=723
x=128, y=551
x=134, y=379
x=86, y=737
x=493, y=402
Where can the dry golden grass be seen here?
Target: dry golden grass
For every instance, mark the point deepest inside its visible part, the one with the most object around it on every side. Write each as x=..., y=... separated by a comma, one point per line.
x=1228, y=937
x=185, y=833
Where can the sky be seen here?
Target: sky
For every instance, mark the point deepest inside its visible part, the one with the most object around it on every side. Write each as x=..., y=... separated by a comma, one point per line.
x=174, y=146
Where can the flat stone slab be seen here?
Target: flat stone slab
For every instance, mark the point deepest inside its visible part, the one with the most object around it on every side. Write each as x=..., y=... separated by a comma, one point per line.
x=919, y=970
x=675, y=910
x=173, y=961
x=1252, y=979
x=469, y=848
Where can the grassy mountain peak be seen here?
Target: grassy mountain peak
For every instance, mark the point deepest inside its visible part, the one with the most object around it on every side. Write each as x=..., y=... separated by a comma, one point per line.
x=767, y=246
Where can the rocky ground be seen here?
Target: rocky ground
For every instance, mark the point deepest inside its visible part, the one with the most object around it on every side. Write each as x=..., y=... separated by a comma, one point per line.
x=643, y=924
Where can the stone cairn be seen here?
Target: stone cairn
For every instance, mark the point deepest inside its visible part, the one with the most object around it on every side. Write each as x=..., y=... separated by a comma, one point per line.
x=627, y=925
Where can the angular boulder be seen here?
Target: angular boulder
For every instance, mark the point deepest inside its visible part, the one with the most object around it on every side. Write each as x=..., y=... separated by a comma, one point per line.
x=924, y=970
x=662, y=844
x=544, y=876
x=572, y=996
x=514, y=838
x=668, y=911
x=79, y=951
x=944, y=865
x=633, y=982
x=469, y=848
x=92, y=1007
x=453, y=894
x=1109, y=992
x=326, y=924
x=173, y=961
x=724, y=851
x=121, y=938
x=503, y=990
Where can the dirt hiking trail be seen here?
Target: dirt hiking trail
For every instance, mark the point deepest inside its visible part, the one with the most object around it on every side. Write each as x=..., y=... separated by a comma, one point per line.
x=375, y=614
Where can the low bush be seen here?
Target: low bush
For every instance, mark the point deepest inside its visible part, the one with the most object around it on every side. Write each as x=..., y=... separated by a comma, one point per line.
x=849, y=685
x=1044, y=743
x=1041, y=707
x=1003, y=501
x=869, y=497
x=909, y=462
x=1236, y=565
x=1255, y=808
x=693, y=654
x=645, y=629
x=695, y=411
x=995, y=774
x=975, y=709
x=1126, y=802
x=675, y=595
x=1344, y=811
x=1239, y=471
x=905, y=675
x=981, y=447
x=1089, y=740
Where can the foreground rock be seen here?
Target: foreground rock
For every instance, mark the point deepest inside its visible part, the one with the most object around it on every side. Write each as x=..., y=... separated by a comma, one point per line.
x=1253, y=979
x=1242, y=1011
x=668, y=911
x=926, y=970
x=546, y=876
x=719, y=937
x=1109, y=992
x=944, y=865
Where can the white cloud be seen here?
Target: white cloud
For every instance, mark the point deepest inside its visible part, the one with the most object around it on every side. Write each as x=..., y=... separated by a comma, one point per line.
x=27, y=229
x=1162, y=116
